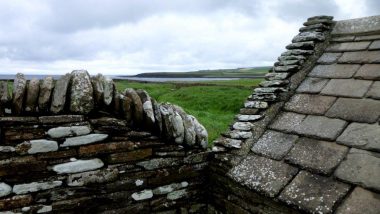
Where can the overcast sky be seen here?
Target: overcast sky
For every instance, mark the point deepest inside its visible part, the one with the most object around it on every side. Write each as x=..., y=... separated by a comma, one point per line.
x=134, y=36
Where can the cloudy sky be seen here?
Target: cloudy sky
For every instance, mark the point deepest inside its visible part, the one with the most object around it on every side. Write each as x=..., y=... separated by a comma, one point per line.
x=134, y=36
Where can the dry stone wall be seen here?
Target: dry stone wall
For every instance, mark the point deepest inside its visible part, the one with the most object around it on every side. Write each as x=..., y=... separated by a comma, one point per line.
x=76, y=145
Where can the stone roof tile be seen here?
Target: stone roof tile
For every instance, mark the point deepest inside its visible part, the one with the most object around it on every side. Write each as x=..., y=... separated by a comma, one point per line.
x=348, y=46
x=362, y=136
x=369, y=72
x=359, y=201
x=334, y=71
x=312, y=85
x=309, y=104
x=360, y=57
x=346, y=87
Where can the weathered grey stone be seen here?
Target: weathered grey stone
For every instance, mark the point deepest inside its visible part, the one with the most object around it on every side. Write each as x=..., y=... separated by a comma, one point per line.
x=163, y=190
x=32, y=91
x=276, y=76
x=334, y=71
x=348, y=46
x=292, y=57
x=262, y=97
x=109, y=91
x=59, y=94
x=228, y=142
x=156, y=163
x=360, y=57
x=317, y=156
x=367, y=37
x=126, y=108
x=309, y=36
x=175, y=195
x=149, y=119
x=312, y=85
x=309, y=45
x=190, y=137
x=358, y=110
x=362, y=136
x=329, y=58
x=5, y=189
x=262, y=174
x=157, y=115
x=347, y=38
x=357, y=26
x=35, y=187
x=201, y=133
x=7, y=149
x=37, y=146
x=92, y=177
x=78, y=166
x=270, y=90
x=44, y=97
x=314, y=193
x=286, y=68
x=19, y=91
x=117, y=103
x=287, y=121
x=321, y=127
x=173, y=123
x=360, y=200
x=360, y=167
x=60, y=132
x=274, y=83
x=142, y=195
x=59, y=119
x=243, y=126
x=45, y=209
x=84, y=140
x=290, y=62
x=309, y=104
x=368, y=72
x=374, y=91
x=256, y=104
x=274, y=144
x=297, y=52
x=4, y=95
x=375, y=45
x=319, y=27
x=138, y=111
x=319, y=21
x=346, y=87
x=98, y=88
x=245, y=118
x=236, y=134
x=81, y=97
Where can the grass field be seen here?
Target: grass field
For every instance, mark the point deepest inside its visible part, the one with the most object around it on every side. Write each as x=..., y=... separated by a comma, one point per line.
x=213, y=103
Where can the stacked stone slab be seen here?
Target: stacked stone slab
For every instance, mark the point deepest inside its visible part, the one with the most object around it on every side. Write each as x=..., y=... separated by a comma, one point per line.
x=78, y=93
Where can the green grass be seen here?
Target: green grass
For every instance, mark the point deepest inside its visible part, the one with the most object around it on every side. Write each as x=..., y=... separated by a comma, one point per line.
x=213, y=103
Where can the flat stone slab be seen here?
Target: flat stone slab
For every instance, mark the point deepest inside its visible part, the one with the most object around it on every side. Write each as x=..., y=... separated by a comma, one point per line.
x=274, y=144
x=263, y=174
x=60, y=132
x=321, y=127
x=358, y=110
x=312, y=85
x=316, y=156
x=368, y=72
x=356, y=26
x=242, y=126
x=35, y=187
x=359, y=201
x=84, y=140
x=342, y=39
x=314, y=193
x=360, y=57
x=92, y=177
x=334, y=71
x=287, y=122
x=59, y=94
x=309, y=104
x=375, y=45
x=346, y=87
x=5, y=189
x=329, y=58
x=78, y=166
x=37, y=146
x=374, y=91
x=362, y=136
x=348, y=46
x=367, y=37
x=360, y=167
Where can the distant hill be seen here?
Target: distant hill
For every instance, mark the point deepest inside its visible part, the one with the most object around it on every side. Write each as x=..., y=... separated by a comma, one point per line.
x=218, y=73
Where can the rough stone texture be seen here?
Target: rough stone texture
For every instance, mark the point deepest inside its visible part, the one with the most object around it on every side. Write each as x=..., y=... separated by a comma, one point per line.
x=137, y=106
x=274, y=83
x=60, y=132
x=158, y=163
x=375, y=45
x=329, y=58
x=16, y=201
x=367, y=37
x=274, y=144
x=362, y=136
x=229, y=143
x=334, y=71
x=309, y=104
x=59, y=94
x=348, y=46
x=142, y=195
x=58, y=119
x=315, y=27
x=309, y=45
x=358, y=110
x=149, y=118
x=347, y=38
x=308, y=36
x=316, y=156
x=32, y=91
x=312, y=85
x=314, y=193
x=236, y=134
x=92, y=177
x=19, y=90
x=368, y=72
x=297, y=52
x=286, y=68
x=126, y=108
x=262, y=174
x=37, y=146
x=360, y=57
x=78, y=166
x=81, y=96
x=359, y=201
x=158, y=116
x=354, y=26
x=83, y=140
x=287, y=121
x=135, y=155
x=109, y=91
x=35, y=187
x=177, y=194
x=5, y=189
x=321, y=127
x=44, y=97
x=374, y=91
x=163, y=190
x=277, y=76
x=98, y=88
x=243, y=126
x=173, y=123
x=256, y=104
x=245, y=118
x=360, y=167
x=346, y=87
x=201, y=132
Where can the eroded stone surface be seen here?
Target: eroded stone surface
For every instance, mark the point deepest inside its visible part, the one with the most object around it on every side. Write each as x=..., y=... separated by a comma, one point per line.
x=81, y=96
x=60, y=132
x=256, y=104
x=309, y=104
x=142, y=195
x=309, y=36
x=37, y=146
x=287, y=121
x=314, y=193
x=32, y=91
x=346, y=87
x=362, y=136
x=236, y=134
x=177, y=194
x=19, y=90
x=162, y=190
x=334, y=71
x=229, y=143
x=245, y=118
x=274, y=144
x=348, y=46
x=374, y=91
x=149, y=118
x=59, y=94
x=35, y=187
x=360, y=167
x=92, y=177
x=368, y=72
x=78, y=166
x=360, y=57
x=321, y=127
x=358, y=110
x=312, y=85
x=243, y=126
x=329, y=58
x=83, y=140
x=317, y=156
x=262, y=174
x=156, y=163
x=109, y=91
x=137, y=106
x=360, y=200
x=46, y=91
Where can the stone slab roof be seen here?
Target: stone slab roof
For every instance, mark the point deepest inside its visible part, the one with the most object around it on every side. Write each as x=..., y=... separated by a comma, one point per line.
x=321, y=153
